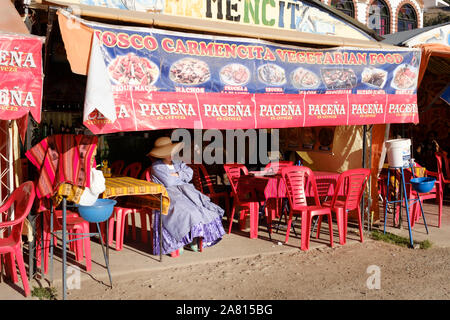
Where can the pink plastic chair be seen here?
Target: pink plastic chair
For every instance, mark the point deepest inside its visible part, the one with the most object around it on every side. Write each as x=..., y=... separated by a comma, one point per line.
x=11, y=246
x=296, y=179
x=248, y=206
x=354, y=182
x=75, y=224
x=117, y=166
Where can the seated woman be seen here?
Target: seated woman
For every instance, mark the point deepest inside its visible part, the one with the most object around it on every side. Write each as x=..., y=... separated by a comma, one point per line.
x=191, y=214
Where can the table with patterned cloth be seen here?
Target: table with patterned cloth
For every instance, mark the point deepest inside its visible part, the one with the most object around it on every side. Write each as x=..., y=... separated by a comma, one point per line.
x=136, y=193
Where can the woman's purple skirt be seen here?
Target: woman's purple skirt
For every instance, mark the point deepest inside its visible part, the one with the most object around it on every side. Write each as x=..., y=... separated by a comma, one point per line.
x=211, y=233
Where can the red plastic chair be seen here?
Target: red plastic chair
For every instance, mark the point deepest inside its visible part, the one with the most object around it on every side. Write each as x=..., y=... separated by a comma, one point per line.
x=435, y=193
x=276, y=166
x=296, y=179
x=11, y=246
x=440, y=183
x=354, y=182
x=117, y=166
x=205, y=183
x=74, y=224
x=132, y=170
x=247, y=205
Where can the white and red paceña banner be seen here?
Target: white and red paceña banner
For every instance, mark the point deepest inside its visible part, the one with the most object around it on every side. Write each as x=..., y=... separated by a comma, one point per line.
x=142, y=79
x=21, y=76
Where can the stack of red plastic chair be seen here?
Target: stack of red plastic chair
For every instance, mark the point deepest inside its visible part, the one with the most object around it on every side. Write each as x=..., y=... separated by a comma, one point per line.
x=11, y=244
x=353, y=181
x=248, y=205
x=296, y=179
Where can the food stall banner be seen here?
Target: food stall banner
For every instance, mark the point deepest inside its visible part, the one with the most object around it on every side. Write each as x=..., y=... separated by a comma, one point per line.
x=143, y=79
x=21, y=76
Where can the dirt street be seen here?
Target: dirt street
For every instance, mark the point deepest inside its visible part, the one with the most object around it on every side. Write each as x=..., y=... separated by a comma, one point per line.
x=324, y=273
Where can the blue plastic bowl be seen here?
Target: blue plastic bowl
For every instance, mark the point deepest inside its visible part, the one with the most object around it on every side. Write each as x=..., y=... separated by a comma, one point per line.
x=100, y=211
x=423, y=185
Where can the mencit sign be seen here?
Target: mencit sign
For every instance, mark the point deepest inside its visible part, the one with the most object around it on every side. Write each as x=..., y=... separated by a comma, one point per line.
x=279, y=14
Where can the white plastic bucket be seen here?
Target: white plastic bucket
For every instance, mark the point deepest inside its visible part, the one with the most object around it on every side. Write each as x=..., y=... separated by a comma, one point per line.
x=398, y=152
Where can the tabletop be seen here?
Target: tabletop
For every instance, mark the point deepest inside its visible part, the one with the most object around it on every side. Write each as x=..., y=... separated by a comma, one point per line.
x=137, y=192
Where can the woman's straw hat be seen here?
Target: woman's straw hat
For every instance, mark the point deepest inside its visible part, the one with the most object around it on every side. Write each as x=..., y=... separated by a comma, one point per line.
x=164, y=148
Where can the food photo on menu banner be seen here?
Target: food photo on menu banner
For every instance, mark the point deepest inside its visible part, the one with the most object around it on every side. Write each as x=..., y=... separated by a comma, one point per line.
x=178, y=62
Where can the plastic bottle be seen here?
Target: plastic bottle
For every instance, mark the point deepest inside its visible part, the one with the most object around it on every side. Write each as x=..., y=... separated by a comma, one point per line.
x=44, y=129
x=51, y=129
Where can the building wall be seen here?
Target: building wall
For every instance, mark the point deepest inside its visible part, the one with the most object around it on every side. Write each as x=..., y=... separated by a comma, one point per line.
x=362, y=10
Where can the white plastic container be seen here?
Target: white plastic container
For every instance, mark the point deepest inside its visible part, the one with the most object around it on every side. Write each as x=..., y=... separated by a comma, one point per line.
x=398, y=152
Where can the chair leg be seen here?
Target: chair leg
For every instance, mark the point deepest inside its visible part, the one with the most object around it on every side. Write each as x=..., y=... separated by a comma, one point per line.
x=133, y=226
x=360, y=225
x=11, y=267
x=341, y=228
x=330, y=228
x=119, y=227
x=200, y=244
x=87, y=247
x=231, y=219
x=318, y=226
x=306, y=231
x=440, y=200
x=254, y=217
x=23, y=273
x=227, y=207
x=143, y=227
x=30, y=260
x=289, y=223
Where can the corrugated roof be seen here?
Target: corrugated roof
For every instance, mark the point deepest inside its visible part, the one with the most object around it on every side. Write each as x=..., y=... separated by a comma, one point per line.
x=399, y=38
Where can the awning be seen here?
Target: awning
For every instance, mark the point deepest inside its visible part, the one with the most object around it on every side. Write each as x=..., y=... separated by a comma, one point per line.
x=21, y=75
x=11, y=20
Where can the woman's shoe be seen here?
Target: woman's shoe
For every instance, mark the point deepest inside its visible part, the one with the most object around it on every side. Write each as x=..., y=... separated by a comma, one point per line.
x=194, y=247
x=177, y=252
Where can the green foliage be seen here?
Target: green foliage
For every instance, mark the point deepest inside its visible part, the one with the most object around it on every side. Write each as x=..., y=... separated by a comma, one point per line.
x=397, y=240
x=44, y=293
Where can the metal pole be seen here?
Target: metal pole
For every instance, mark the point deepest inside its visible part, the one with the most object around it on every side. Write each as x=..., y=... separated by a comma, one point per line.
x=64, y=243
x=10, y=164
x=51, y=242
x=160, y=226
x=364, y=166
x=369, y=204
x=407, y=210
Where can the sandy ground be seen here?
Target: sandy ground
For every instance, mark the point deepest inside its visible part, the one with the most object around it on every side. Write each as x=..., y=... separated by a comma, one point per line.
x=323, y=273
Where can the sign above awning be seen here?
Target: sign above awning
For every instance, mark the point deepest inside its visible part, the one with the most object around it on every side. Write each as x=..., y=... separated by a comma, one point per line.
x=273, y=15
x=21, y=76
x=142, y=79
